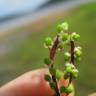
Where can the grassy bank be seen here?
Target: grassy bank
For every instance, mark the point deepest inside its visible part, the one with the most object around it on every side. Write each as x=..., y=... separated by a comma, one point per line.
x=26, y=50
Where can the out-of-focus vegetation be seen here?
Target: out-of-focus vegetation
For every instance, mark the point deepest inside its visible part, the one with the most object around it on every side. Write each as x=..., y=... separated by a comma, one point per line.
x=27, y=48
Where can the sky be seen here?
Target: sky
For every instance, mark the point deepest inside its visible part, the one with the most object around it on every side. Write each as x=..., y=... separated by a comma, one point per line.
x=8, y=7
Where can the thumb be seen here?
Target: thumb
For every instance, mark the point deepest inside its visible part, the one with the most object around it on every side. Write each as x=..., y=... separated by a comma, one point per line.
x=30, y=84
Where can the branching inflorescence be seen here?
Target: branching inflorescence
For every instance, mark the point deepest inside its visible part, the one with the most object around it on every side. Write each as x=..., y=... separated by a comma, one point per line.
x=71, y=58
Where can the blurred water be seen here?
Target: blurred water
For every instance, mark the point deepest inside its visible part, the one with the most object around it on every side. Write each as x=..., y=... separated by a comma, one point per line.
x=13, y=11
x=10, y=7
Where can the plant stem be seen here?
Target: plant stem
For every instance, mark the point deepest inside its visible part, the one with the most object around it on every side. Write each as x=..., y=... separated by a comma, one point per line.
x=72, y=60
x=72, y=57
x=72, y=51
x=52, y=55
x=53, y=49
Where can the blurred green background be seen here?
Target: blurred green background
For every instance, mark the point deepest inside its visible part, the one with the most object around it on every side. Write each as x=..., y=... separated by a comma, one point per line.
x=25, y=49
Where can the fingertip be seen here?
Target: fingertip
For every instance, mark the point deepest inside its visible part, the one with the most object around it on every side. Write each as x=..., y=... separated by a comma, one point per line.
x=30, y=84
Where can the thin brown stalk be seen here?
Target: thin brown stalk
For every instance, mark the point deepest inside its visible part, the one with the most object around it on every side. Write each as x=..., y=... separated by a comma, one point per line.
x=52, y=55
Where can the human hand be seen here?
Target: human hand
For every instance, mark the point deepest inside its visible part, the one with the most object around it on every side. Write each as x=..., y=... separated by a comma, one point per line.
x=30, y=84
x=93, y=94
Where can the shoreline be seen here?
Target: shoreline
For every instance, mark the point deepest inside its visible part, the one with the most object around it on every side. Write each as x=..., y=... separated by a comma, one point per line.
x=40, y=15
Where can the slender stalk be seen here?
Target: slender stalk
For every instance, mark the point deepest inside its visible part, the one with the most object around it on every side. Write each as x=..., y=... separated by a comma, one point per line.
x=72, y=52
x=72, y=60
x=52, y=55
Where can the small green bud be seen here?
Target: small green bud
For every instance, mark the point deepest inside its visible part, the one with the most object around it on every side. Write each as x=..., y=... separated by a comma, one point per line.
x=69, y=89
x=62, y=89
x=52, y=71
x=60, y=46
x=62, y=27
x=59, y=28
x=78, y=52
x=65, y=26
x=78, y=48
x=58, y=74
x=47, y=61
x=66, y=75
x=66, y=56
x=78, y=59
x=68, y=69
x=52, y=85
x=47, y=77
x=65, y=37
x=75, y=73
x=48, y=41
x=70, y=65
x=75, y=36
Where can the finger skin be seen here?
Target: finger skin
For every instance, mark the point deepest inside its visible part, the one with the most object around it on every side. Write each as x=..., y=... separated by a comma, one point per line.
x=94, y=94
x=30, y=84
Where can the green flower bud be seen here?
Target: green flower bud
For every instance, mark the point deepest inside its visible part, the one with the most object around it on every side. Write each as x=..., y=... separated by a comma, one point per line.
x=47, y=61
x=62, y=27
x=66, y=56
x=78, y=53
x=68, y=69
x=66, y=75
x=60, y=46
x=78, y=48
x=75, y=73
x=70, y=65
x=78, y=59
x=69, y=89
x=52, y=85
x=75, y=36
x=47, y=77
x=52, y=71
x=48, y=41
x=59, y=28
x=65, y=26
x=58, y=74
x=62, y=89
x=65, y=37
